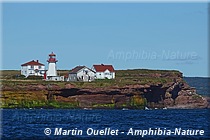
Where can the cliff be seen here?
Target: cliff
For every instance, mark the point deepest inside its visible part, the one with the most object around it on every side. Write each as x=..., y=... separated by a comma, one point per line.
x=134, y=89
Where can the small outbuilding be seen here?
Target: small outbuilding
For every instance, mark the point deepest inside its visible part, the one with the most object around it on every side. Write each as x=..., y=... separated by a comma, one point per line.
x=81, y=73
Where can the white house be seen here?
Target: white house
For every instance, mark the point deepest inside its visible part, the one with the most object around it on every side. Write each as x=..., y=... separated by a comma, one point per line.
x=81, y=73
x=32, y=68
x=104, y=71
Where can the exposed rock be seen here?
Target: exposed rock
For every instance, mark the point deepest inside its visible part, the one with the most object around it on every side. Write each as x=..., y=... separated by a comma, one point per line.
x=178, y=95
x=67, y=86
x=191, y=101
x=168, y=102
x=41, y=87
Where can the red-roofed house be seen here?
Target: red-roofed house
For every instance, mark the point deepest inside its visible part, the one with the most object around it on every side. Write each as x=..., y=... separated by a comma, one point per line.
x=32, y=68
x=104, y=71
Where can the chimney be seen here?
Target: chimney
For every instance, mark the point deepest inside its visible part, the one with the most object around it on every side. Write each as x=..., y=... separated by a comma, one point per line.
x=37, y=61
x=102, y=64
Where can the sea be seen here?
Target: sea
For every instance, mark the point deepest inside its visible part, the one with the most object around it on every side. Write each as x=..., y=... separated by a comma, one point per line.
x=109, y=124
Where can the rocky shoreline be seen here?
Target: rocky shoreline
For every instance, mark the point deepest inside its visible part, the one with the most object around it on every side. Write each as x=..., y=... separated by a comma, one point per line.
x=176, y=94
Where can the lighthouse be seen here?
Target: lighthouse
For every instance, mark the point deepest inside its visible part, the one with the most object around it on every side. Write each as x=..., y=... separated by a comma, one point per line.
x=52, y=69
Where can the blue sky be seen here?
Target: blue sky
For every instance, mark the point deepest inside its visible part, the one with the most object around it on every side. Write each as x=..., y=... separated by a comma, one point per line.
x=135, y=35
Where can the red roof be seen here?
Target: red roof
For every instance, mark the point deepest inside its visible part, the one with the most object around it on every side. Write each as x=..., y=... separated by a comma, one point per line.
x=33, y=63
x=102, y=68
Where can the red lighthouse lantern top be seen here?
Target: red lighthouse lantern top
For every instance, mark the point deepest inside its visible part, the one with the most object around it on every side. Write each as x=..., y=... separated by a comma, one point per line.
x=52, y=58
x=52, y=54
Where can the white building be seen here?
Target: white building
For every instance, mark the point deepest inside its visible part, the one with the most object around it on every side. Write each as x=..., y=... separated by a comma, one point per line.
x=32, y=68
x=81, y=73
x=51, y=73
x=104, y=71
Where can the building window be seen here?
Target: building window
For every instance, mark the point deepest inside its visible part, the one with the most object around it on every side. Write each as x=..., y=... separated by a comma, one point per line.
x=85, y=71
x=32, y=67
x=40, y=67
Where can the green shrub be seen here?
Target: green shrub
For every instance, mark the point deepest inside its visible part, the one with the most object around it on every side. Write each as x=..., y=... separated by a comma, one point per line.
x=33, y=77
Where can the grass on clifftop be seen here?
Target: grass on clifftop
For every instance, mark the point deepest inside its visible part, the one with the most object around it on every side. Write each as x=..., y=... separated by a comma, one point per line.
x=123, y=78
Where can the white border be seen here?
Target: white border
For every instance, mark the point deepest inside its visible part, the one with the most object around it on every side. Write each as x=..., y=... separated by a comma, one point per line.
x=87, y=1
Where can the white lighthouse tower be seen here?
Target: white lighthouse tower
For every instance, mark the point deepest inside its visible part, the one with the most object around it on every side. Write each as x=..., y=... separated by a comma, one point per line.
x=52, y=69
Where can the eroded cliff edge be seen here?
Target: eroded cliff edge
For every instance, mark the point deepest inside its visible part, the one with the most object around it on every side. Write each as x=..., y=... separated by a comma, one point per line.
x=134, y=89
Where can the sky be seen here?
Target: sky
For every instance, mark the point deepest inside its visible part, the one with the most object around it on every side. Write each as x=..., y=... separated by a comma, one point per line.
x=172, y=36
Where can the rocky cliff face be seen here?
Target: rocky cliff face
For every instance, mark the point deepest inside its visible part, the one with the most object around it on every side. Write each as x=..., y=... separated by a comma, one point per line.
x=172, y=95
x=176, y=94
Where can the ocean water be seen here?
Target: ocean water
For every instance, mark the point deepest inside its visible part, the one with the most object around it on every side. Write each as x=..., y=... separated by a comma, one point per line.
x=201, y=84
x=84, y=124
x=30, y=124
